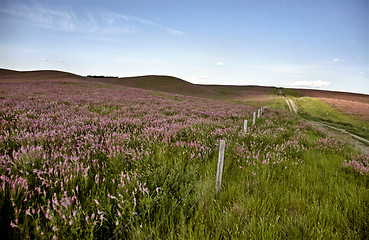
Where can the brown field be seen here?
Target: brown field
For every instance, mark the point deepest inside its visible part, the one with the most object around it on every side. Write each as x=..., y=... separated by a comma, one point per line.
x=352, y=104
x=354, y=97
x=354, y=108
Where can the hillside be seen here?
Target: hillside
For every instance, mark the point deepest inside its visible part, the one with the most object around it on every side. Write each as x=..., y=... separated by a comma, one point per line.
x=163, y=84
x=251, y=95
x=178, y=86
x=6, y=74
x=84, y=160
x=355, y=97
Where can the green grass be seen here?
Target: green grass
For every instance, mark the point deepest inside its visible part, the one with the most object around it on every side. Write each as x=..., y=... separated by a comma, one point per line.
x=307, y=194
x=314, y=109
x=277, y=102
x=318, y=199
x=311, y=202
x=290, y=92
x=274, y=101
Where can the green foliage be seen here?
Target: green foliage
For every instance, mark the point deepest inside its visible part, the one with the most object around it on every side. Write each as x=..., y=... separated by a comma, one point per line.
x=289, y=92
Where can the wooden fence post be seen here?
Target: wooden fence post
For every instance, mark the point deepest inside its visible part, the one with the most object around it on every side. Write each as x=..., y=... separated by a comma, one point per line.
x=253, y=118
x=245, y=126
x=220, y=165
x=258, y=112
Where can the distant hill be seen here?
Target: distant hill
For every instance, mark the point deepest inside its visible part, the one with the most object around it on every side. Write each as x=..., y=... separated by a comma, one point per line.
x=356, y=97
x=241, y=94
x=178, y=86
x=164, y=84
x=36, y=75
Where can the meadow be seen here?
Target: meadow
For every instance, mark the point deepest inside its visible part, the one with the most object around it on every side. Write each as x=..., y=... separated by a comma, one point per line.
x=98, y=161
x=341, y=113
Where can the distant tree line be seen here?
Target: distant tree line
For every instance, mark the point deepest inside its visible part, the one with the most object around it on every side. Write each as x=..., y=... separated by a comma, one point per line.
x=94, y=76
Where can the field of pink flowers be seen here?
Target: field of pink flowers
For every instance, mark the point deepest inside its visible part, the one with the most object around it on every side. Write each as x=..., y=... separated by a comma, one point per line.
x=74, y=156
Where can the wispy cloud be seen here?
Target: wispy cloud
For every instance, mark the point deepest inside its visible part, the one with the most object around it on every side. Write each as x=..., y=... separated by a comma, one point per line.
x=148, y=22
x=337, y=60
x=308, y=84
x=220, y=63
x=33, y=13
x=88, y=21
x=45, y=59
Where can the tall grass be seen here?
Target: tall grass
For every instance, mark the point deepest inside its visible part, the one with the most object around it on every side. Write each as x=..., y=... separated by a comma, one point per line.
x=125, y=164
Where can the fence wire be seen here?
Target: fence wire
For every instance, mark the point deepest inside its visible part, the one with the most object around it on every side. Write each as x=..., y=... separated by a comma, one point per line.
x=165, y=193
x=181, y=201
x=193, y=205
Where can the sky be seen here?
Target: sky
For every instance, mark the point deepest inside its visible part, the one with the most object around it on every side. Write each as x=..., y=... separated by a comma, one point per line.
x=319, y=44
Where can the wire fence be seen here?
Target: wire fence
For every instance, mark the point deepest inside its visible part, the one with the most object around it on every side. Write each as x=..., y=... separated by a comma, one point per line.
x=191, y=208
x=260, y=112
x=164, y=194
x=181, y=201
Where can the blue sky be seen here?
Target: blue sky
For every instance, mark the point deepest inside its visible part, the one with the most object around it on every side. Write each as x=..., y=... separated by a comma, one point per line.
x=320, y=44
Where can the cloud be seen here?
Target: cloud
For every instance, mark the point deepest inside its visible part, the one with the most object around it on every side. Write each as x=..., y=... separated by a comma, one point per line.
x=309, y=84
x=60, y=61
x=220, y=63
x=336, y=60
x=203, y=80
x=174, y=32
x=361, y=73
x=33, y=13
x=68, y=20
x=45, y=59
x=148, y=22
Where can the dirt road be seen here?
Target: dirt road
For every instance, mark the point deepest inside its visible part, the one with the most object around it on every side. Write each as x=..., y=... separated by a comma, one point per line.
x=337, y=132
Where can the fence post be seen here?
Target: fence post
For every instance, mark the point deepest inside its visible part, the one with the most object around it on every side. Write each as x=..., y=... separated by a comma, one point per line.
x=258, y=112
x=253, y=118
x=245, y=126
x=220, y=165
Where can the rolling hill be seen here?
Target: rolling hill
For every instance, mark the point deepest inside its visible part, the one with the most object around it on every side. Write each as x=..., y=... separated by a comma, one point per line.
x=81, y=159
x=178, y=86
x=251, y=95
x=6, y=74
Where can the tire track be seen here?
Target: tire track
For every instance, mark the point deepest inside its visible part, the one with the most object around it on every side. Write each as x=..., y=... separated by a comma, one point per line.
x=348, y=137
